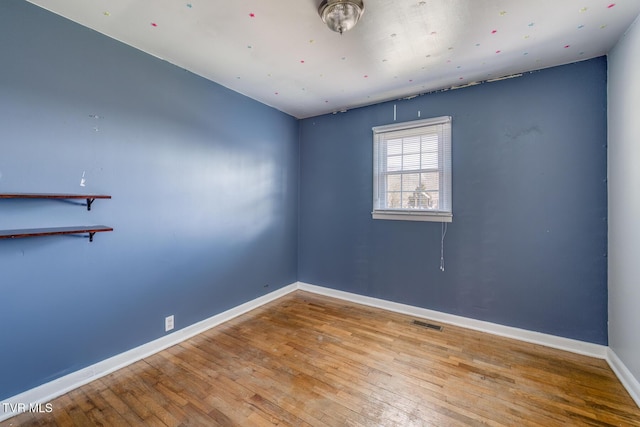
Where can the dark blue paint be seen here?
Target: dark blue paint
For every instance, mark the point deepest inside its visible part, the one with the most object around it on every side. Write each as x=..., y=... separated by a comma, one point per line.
x=527, y=246
x=204, y=206
x=207, y=210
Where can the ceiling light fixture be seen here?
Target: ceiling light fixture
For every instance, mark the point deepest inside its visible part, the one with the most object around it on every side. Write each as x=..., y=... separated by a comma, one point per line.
x=341, y=15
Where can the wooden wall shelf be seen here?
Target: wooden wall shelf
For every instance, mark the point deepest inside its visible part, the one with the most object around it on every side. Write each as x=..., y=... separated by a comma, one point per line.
x=53, y=231
x=88, y=197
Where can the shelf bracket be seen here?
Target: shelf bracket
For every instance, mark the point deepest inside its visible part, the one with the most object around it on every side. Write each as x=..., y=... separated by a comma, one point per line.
x=89, y=202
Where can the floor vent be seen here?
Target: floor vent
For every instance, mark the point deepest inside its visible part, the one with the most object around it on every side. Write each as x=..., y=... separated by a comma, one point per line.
x=428, y=325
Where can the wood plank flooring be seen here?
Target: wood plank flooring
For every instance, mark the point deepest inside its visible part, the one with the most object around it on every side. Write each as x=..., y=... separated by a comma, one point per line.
x=309, y=360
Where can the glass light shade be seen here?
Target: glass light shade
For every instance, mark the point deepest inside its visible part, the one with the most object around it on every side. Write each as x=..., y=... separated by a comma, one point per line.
x=341, y=15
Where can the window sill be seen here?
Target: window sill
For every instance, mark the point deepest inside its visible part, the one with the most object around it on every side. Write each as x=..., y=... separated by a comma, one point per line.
x=413, y=216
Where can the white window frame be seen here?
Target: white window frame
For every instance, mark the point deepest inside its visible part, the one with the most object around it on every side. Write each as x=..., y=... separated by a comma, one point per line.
x=381, y=134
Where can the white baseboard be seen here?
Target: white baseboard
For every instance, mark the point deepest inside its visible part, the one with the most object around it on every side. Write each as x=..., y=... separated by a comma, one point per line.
x=46, y=392
x=624, y=375
x=567, y=344
x=630, y=383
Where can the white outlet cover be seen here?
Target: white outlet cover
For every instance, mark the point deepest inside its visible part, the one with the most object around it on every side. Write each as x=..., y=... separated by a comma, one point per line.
x=168, y=323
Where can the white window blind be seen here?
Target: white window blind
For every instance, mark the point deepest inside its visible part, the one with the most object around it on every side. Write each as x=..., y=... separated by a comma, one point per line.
x=412, y=170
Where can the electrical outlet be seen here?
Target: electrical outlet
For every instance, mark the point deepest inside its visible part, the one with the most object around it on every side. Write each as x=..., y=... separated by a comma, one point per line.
x=168, y=323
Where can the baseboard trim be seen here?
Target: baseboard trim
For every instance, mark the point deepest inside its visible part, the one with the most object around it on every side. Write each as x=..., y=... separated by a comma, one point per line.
x=629, y=382
x=566, y=344
x=48, y=391
x=624, y=375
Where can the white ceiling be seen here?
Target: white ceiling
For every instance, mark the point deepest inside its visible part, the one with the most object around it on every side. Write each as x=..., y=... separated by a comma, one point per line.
x=280, y=53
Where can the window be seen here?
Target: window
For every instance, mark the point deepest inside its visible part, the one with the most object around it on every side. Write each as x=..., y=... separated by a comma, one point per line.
x=412, y=170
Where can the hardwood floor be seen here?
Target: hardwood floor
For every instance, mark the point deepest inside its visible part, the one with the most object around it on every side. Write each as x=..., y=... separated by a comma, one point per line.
x=309, y=360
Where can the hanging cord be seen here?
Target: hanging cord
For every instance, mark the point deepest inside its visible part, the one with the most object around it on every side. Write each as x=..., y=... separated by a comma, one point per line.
x=444, y=233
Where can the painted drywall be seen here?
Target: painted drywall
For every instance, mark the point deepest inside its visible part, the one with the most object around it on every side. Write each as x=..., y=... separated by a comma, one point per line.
x=204, y=187
x=528, y=244
x=624, y=199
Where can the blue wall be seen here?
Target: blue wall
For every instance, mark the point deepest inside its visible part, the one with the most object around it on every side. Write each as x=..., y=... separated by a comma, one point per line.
x=207, y=214
x=204, y=184
x=527, y=246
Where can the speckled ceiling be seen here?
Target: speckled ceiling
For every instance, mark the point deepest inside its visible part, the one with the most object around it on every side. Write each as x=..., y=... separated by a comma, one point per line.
x=280, y=53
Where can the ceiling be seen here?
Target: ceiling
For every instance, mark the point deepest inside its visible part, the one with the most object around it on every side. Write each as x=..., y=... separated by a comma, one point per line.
x=280, y=53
